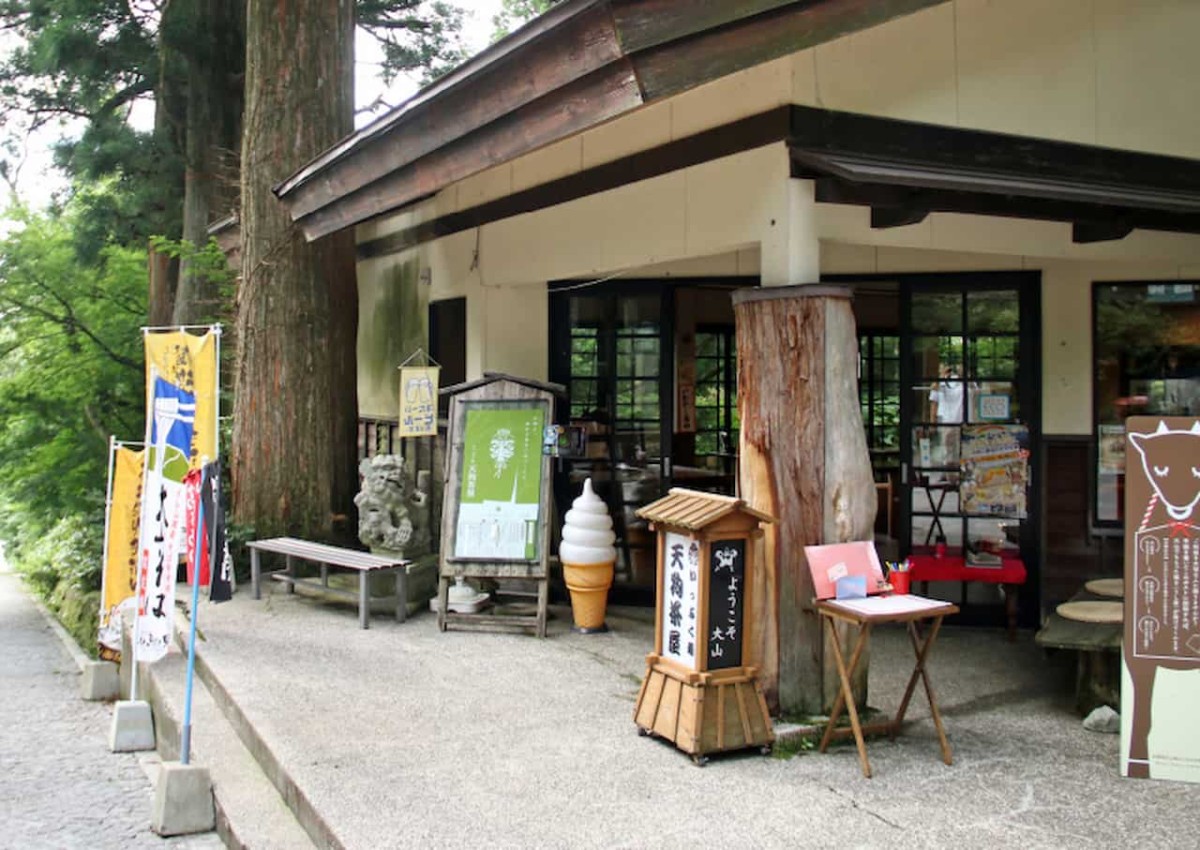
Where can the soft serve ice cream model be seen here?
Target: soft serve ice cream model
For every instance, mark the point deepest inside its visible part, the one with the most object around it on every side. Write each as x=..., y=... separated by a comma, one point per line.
x=588, y=558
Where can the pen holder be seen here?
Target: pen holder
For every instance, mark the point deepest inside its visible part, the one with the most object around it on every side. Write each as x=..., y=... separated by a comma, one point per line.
x=900, y=581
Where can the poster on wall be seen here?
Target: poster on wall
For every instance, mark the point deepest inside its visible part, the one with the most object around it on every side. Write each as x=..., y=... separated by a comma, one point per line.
x=418, y=401
x=499, y=507
x=995, y=470
x=681, y=590
x=1160, y=685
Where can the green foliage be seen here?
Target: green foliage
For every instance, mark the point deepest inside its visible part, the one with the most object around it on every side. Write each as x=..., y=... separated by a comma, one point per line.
x=514, y=13
x=417, y=36
x=70, y=371
x=209, y=264
x=70, y=554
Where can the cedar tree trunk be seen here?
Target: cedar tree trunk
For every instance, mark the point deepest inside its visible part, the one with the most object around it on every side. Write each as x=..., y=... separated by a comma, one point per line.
x=296, y=408
x=803, y=460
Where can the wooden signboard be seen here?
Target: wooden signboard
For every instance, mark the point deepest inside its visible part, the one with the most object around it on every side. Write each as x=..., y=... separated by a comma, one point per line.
x=699, y=691
x=1161, y=647
x=496, y=502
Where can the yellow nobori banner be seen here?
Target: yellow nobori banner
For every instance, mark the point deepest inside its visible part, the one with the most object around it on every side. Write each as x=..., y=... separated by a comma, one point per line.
x=189, y=363
x=120, y=565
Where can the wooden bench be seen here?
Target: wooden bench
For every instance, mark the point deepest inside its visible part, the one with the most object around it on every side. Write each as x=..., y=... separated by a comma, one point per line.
x=364, y=563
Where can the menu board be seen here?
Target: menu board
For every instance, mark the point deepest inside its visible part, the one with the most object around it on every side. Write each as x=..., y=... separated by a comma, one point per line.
x=681, y=589
x=726, y=600
x=995, y=470
x=500, y=495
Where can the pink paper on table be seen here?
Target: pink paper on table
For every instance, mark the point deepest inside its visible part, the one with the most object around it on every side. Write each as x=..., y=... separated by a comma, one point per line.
x=838, y=560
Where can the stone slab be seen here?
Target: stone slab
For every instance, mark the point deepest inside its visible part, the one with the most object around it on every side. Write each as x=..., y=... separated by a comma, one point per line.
x=99, y=681
x=132, y=727
x=183, y=800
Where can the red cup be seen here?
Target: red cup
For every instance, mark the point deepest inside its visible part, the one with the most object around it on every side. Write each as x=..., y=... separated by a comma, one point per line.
x=900, y=581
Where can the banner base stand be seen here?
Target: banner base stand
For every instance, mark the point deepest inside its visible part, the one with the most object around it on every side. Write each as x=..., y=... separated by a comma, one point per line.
x=99, y=681
x=132, y=727
x=183, y=800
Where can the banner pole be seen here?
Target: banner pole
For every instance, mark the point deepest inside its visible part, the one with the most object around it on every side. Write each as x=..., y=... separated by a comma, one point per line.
x=140, y=590
x=108, y=502
x=185, y=742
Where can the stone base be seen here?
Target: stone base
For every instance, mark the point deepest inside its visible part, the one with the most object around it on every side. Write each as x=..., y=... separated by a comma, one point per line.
x=132, y=727
x=422, y=584
x=99, y=681
x=183, y=800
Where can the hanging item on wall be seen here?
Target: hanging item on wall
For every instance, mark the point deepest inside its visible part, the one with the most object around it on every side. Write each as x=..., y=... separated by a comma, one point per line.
x=418, y=397
x=995, y=470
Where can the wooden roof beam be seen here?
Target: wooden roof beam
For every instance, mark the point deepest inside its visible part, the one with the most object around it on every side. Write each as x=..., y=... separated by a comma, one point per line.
x=670, y=46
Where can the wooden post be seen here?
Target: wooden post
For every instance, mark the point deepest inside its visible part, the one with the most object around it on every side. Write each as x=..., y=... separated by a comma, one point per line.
x=804, y=460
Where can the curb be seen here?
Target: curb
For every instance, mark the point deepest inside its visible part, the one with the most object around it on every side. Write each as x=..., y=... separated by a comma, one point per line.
x=293, y=796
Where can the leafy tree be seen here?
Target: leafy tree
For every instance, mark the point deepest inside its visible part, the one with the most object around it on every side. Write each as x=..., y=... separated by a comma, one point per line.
x=70, y=371
x=514, y=13
x=86, y=62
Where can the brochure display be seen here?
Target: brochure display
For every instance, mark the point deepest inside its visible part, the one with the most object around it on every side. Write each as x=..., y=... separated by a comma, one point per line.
x=496, y=502
x=1161, y=646
x=832, y=568
x=700, y=692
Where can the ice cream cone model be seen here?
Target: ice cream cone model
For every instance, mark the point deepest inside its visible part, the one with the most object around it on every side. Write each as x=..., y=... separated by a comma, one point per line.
x=588, y=557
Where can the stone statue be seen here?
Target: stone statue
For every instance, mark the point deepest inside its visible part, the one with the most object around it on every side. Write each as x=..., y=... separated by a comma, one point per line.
x=391, y=513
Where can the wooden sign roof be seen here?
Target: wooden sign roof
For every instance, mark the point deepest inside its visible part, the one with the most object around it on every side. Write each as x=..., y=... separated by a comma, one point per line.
x=692, y=510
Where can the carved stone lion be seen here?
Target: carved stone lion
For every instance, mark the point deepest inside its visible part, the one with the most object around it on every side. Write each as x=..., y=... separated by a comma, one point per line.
x=384, y=504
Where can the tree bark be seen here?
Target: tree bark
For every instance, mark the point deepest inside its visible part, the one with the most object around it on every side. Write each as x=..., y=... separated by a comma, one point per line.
x=296, y=402
x=803, y=460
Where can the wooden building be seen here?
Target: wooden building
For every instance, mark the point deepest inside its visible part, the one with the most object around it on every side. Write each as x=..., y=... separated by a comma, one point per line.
x=1001, y=199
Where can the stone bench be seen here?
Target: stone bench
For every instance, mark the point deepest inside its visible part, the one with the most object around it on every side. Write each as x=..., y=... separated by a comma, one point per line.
x=1098, y=674
x=364, y=563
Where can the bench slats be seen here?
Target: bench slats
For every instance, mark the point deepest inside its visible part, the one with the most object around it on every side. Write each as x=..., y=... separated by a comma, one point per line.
x=331, y=556
x=324, y=554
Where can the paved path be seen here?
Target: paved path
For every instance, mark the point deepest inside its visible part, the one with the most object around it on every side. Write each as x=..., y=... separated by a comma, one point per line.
x=60, y=787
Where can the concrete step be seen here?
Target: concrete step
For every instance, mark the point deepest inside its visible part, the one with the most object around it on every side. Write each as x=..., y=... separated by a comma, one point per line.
x=250, y=811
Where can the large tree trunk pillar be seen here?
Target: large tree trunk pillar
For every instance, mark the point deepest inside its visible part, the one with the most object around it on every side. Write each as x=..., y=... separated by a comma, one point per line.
x=804, y=460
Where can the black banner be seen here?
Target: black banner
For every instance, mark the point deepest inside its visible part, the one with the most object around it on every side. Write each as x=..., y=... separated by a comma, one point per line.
x=726, y=596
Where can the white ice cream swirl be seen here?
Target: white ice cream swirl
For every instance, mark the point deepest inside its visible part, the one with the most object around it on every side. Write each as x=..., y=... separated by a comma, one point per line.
x=587, y=535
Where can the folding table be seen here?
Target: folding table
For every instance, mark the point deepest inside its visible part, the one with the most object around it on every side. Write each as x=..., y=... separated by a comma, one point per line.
x=866, y=614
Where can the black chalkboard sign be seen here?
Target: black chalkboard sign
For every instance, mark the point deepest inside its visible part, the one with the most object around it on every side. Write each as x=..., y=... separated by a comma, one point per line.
x=726, y=598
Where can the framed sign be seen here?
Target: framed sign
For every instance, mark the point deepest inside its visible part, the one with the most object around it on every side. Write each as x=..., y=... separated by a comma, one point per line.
x=496, y=500
x=726, y=597
x=500, y=481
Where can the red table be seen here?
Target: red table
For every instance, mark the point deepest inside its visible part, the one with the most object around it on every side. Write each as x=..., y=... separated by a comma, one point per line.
x=951, y=567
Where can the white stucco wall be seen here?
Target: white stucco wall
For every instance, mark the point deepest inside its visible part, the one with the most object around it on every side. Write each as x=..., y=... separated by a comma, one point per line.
x=1105, y=72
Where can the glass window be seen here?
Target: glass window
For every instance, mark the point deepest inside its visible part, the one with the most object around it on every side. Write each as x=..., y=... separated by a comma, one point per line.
x=1146, y=362
x=716, y=391
x=879, y=395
